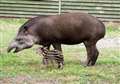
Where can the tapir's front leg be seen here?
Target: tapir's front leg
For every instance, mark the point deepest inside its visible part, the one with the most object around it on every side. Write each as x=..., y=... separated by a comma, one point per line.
x=57, y=46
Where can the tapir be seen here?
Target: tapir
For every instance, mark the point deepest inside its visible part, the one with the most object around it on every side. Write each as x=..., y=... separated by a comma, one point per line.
x=68, y=28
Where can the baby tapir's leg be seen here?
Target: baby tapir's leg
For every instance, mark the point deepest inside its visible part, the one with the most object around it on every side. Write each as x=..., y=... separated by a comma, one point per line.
x=45, y=61
x=60, y=65
x=60, y=62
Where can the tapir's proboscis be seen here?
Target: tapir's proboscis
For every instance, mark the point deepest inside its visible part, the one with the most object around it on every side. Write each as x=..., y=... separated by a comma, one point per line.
x=68, y=28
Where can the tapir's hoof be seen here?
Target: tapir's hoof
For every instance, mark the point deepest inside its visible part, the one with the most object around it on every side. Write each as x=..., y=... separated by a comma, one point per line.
x=90, y=63
x=86, y=63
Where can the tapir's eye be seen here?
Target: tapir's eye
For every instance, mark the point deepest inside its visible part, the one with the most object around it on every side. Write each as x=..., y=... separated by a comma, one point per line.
x=19, y=39
x=25, y=27
x=21, y=42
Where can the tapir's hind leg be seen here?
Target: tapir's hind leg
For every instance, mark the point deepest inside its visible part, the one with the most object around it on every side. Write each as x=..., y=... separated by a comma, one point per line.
x=92, y=52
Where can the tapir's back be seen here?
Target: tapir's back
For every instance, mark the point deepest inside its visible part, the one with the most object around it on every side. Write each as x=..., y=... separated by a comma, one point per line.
x=71, y=28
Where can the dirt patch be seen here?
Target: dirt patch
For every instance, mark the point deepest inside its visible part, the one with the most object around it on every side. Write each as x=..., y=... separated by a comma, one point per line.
x=27, y=80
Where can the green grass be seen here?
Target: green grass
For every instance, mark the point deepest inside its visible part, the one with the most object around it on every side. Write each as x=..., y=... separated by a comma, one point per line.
x=28, y=63
x=113, y=30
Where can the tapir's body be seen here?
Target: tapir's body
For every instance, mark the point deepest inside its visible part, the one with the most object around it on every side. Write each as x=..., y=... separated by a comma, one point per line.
x=69, y=28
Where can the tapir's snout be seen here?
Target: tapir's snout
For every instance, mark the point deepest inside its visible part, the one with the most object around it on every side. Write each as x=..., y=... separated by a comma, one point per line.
x=9, y=49
x=20, y=43
x=13, y=46
x=16, y=49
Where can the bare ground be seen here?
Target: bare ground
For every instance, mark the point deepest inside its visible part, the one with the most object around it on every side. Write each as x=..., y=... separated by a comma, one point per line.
x=27, y=80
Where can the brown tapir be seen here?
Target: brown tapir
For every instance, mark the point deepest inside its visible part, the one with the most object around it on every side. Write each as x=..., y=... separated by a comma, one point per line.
x=69, y=28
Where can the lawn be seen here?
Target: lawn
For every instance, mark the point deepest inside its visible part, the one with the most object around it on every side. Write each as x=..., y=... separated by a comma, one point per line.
x=25, y=67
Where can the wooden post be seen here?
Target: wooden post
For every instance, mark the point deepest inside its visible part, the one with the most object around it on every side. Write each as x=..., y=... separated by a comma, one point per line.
x=60, y=1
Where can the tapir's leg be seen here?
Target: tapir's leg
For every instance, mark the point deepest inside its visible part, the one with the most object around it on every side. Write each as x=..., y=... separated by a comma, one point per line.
x=58, y=47
x=47, y=45
x=92, y=52
x=44, y=60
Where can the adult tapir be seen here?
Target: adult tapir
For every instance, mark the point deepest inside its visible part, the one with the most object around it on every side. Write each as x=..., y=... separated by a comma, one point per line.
x=69, y=28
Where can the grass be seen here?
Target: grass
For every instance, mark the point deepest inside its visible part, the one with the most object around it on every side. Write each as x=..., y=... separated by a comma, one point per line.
x=113, y=29
x=28, y=63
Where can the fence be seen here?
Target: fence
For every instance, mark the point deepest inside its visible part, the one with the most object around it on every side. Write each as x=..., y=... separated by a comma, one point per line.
x=106, y=10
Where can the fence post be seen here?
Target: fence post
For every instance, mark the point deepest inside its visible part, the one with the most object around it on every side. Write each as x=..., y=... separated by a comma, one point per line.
x=60, y=1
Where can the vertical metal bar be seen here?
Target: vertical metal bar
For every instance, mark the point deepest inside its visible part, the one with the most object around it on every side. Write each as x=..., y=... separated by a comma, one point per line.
x=60, y=2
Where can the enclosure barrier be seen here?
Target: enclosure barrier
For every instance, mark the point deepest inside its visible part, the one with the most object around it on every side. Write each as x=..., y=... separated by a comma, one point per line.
x=106, y=10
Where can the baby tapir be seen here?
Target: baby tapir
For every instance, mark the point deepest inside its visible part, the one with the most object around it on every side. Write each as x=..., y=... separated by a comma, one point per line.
x=68, y=28
x=51, y=56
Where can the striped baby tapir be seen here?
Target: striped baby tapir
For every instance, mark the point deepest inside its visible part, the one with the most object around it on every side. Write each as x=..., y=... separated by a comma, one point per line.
x=51, y=56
